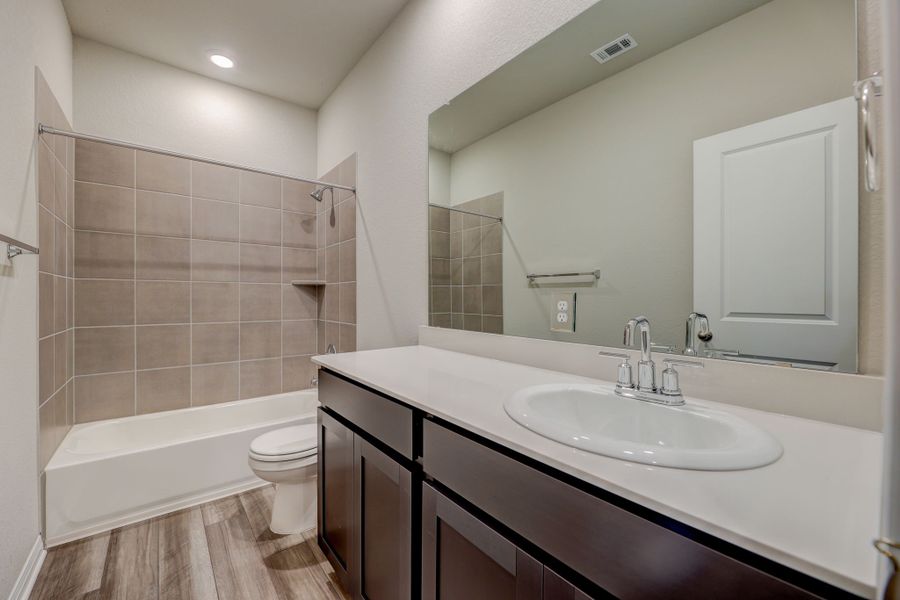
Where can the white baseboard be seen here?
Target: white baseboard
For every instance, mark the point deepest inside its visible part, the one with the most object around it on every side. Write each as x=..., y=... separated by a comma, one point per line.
x=28, y=575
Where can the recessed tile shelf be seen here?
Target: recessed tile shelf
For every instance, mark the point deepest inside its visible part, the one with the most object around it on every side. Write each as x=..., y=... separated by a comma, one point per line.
x=313, y=282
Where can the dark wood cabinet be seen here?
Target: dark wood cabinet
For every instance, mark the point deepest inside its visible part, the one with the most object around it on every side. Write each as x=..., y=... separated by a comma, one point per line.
x=335, y=494
x=383, y=507
x=464, y=559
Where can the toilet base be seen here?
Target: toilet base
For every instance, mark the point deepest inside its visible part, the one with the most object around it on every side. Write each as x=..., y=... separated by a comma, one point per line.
x=294, y=508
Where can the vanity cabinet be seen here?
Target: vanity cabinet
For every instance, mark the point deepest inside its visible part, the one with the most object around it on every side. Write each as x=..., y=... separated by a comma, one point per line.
x=413, y=507
x=365, y=492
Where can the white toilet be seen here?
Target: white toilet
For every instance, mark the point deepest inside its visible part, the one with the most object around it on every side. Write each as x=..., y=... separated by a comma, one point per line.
x=287, y=458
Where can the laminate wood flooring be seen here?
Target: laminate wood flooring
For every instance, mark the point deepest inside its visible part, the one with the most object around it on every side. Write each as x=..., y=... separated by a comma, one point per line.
x=220, y=550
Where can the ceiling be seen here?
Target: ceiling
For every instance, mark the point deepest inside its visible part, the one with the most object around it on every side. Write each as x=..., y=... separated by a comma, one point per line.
x=560, y=64
x=296, y=50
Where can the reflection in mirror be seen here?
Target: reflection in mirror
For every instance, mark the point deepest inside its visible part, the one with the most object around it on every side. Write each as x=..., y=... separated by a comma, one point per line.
x=692, y=161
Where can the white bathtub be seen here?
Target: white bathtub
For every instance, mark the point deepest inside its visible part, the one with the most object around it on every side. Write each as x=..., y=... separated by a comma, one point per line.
x=111, y=473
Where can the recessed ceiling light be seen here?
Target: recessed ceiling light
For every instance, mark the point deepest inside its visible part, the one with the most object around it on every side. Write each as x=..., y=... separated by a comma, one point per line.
x=221, y=61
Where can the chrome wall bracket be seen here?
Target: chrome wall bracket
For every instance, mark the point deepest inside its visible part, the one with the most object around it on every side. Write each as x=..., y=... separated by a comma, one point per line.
x=14, y=247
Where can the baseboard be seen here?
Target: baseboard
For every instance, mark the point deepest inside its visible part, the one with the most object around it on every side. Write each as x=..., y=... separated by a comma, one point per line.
x=28, y=575
x=155, y=511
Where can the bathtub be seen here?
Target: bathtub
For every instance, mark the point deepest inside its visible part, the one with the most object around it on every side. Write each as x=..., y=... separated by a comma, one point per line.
x=112, y=473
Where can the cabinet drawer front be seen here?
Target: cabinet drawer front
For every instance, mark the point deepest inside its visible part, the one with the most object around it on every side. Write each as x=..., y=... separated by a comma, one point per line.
x=624, y=554
x=386, y=420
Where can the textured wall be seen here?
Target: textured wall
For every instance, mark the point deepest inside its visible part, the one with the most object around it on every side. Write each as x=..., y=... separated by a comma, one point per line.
x=33, y=33
x=434, y=50
x=125, y=96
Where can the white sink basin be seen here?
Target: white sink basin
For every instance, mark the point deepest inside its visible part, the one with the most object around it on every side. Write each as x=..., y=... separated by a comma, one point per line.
x=593, y=418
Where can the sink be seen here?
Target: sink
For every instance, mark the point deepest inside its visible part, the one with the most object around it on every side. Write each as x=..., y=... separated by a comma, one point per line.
x=593, y=418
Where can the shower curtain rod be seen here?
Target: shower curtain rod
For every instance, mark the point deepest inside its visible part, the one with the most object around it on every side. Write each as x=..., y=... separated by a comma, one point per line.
x=93, y=138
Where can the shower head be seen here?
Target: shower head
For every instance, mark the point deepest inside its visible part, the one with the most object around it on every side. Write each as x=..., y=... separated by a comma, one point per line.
x=321, y=192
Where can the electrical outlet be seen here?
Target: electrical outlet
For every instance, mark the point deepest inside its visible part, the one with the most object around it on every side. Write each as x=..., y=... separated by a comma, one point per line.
x=562, y=312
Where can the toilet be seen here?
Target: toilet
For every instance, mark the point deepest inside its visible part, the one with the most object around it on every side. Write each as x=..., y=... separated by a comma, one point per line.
x=287, y=458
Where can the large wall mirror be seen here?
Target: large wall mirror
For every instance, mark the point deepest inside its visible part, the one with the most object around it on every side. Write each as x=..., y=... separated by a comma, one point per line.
x=693, y=161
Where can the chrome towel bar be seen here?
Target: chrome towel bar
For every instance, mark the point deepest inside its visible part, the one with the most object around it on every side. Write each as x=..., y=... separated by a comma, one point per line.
x=14, y=247
x=532, y=276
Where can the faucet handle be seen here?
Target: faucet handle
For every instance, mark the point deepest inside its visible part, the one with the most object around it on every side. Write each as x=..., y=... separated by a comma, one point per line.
x=623, y=378
x=670, y=386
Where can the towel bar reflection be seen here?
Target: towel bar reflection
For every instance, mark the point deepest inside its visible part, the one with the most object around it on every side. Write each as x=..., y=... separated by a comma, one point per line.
x=14, y=247
x=532, y=276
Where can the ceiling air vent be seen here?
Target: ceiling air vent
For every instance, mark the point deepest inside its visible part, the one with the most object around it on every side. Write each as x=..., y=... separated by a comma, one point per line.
x=613, y=49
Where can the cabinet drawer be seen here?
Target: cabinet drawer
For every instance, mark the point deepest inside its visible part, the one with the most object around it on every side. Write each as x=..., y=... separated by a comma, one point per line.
x=386, y=420
x=621, y=552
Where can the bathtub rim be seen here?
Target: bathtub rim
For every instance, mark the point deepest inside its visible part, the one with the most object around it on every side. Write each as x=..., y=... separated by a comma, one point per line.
x=62, y=458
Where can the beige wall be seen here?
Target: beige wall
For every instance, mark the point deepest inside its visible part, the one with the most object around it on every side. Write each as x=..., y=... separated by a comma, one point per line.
x=183, y=281
x=33, y=33
x=129, y=97
x=579, y=175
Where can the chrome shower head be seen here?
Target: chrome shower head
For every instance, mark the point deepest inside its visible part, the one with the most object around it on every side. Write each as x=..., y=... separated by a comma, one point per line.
x=321, y=192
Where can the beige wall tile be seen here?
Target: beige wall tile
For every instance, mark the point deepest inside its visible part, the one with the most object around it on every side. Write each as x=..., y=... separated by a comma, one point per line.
x=260, y=190
x=491, y=324
x=439, y=272
x=260, y=302
x=347, y=219
x=46, y=240
x=440, y=299
x=46, y=316
x=103, y=397
x=214, y=343
x=299, y=337
x=60, y=359
x=471, y=274
x=260, y=378
x=104, y=208
x=211, y=384
x=59, y=249
x=471, y=299
x=103, y=302
x=296, y=196
x=46, y=370
x=104, y=255
x=103, y=163
x=162, y=258
x=163, y=389
x=471, y=244
x=333, y=264
x=456, y=244
x=298, y=264
x=492, y=269
x=214, y=302
x=472, y=322
x=214, y=220
x=214, y=182
x=260, y=225
x=492, y=239
x=348, y=261
x=347, y=309
x=104, y=350
x=60, y=186
x=331, y=218
x=438, y=219
x=260, y=340
x=331, y=302
x=214, y=261
x=163, y=346
x=299, y=230
x=492, y=299
x=456, y=299
x=163, y=214
x=260, y=264
x=59, y=304
x=45, y=176
x=297, y=373
x=347, y=339
x=160, y=302
x=300, y=302
x=162, y=173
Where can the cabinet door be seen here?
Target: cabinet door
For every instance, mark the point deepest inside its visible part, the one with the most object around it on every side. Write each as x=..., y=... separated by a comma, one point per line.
x=464, y=559
x=335, y=494
x=557, y=588
x=383, y=508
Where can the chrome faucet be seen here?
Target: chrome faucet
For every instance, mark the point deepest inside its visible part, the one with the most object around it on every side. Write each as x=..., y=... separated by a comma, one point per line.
x=696, y=328
x=670, y=391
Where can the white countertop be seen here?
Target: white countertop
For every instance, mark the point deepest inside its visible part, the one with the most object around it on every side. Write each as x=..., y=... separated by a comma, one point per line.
x=816, y=509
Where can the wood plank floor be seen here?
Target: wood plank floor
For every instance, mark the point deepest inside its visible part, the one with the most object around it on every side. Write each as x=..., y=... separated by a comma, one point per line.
x=220, y=550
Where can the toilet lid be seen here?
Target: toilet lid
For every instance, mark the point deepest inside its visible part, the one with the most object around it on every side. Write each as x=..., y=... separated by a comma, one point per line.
x=286, y=443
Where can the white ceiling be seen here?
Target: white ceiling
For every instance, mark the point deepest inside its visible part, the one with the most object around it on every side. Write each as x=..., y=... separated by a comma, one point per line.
x=560, y=64
x=296, y=50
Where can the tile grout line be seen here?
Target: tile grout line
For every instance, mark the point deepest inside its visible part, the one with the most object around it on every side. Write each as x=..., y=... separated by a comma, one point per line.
x=190, y=165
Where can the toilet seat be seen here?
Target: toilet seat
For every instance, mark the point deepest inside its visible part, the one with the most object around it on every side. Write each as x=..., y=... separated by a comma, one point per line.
x=285, y=444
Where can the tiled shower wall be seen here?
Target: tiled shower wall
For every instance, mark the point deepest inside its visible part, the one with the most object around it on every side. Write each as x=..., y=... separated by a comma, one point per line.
x=183, y=282
x=466, y=265
x=55, y=157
